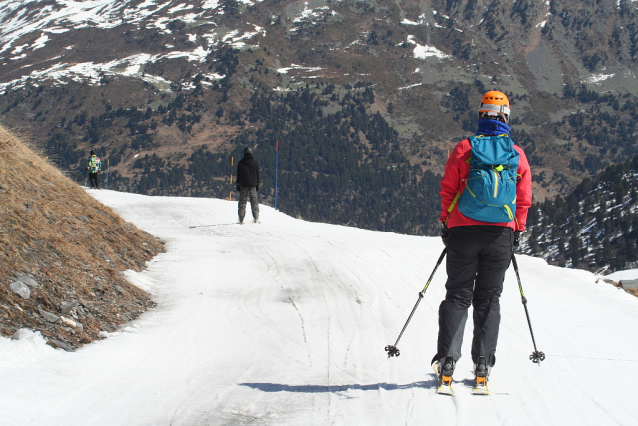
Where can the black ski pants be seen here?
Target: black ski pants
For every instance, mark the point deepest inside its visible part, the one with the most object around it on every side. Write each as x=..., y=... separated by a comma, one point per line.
x=477, y=258
x=93, y=180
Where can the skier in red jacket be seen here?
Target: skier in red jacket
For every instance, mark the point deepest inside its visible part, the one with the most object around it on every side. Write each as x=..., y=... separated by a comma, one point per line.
x=478, y=252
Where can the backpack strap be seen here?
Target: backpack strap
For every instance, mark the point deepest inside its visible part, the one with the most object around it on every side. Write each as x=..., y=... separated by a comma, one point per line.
x=456, y=199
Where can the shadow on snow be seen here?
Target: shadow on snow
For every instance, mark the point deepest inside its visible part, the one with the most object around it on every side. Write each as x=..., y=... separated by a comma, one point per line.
x=275, y=387
x=215, y=224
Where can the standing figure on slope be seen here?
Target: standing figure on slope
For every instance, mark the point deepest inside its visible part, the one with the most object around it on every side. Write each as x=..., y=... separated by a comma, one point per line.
x=95, y=164
x=248, y=183
x=486, y=192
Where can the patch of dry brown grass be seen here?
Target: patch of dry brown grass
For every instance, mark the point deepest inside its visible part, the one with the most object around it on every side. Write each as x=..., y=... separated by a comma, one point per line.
x=75, y=248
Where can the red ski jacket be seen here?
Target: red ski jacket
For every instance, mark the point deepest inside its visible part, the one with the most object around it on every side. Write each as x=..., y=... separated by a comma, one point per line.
x=457, y=170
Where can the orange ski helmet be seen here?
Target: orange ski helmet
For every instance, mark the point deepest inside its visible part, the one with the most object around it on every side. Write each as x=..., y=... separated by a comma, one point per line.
x=496, y=106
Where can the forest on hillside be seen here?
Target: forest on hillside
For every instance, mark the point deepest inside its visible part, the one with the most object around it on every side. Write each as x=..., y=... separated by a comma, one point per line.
x=595, y=227
x=338, y=162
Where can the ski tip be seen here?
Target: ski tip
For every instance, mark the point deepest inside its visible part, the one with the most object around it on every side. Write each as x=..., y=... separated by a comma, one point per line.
x=480, y=391
x=445, y=390
x=480, y=384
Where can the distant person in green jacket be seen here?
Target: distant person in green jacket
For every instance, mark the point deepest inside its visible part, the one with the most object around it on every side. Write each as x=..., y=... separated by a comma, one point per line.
x=95, y=164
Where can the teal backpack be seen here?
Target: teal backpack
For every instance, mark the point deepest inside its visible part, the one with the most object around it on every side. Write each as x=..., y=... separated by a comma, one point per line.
x=490, y=192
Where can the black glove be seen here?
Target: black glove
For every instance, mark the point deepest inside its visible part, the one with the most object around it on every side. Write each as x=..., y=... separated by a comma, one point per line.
x=517, y=238
x=238, y=188
x=445, y=234
x=257, y=187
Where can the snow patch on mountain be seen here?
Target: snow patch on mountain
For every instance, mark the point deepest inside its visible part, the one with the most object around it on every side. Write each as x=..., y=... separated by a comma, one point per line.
x=20, y=18
x=598, y=78
x=27, y=17
x=92, y=73
x=24, y=17
x=309, y=15
x=78, y=12
x=237, y=40
x=423, y=52
x=180, y=7
x=296, y=67
x=421, y=20
x=40, y=42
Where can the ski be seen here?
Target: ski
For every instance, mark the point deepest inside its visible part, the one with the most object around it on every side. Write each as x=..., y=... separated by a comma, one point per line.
x=481, y=372
x=252, y=221
x=445, y=381
x=445, y=389
x=480, y=386
x=209, y=226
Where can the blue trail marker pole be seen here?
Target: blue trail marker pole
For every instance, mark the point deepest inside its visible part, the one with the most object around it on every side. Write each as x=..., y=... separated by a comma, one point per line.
x=276, y=170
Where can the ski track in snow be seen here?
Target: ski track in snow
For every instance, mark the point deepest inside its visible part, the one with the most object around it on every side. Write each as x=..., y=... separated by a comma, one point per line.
x=284, y=323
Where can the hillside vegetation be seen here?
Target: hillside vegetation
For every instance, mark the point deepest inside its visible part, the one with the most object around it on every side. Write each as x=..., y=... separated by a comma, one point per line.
x=595, y=227
x=62, y=254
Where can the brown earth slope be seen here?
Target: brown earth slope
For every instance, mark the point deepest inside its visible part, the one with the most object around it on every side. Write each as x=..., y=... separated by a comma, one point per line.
x=65, y=252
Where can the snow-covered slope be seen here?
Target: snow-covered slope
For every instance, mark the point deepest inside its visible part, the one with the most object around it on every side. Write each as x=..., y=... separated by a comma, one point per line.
x=285, y=323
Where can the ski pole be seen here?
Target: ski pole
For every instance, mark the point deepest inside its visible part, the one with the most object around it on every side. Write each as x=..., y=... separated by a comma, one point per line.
x=108, y=168
x=536, y=356
x=392, y=350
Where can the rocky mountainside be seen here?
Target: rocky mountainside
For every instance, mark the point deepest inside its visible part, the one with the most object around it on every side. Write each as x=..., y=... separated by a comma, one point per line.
x=62, y=254
x=363, y=98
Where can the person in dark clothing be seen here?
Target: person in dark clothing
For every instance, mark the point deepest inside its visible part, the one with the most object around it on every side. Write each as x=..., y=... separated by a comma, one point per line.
x=248, y=183
x=478, y=252
x=95, y=164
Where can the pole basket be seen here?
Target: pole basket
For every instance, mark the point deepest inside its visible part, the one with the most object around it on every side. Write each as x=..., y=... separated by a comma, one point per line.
x=537, y=357
x=392, y=351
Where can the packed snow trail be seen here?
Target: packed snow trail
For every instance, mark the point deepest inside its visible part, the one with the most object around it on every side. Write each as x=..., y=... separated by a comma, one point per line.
x=285, y=323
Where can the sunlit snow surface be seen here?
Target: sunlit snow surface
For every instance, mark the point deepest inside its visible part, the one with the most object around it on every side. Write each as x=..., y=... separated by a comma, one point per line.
x=285, y=323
